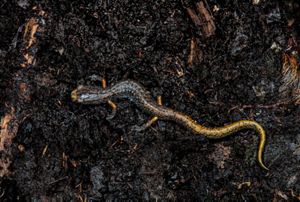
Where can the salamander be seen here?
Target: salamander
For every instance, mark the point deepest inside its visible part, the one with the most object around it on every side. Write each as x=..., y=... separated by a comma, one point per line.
x=141, y=98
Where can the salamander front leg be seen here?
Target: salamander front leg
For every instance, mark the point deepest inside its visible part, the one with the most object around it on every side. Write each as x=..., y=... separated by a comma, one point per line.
x=110, y=103
x=150, y=122
x=158, y=100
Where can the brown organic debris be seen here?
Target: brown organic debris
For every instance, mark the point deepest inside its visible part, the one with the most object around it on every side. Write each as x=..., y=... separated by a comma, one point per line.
x=4, y=166
x=259, y=106
x=255, y=2
x=33, y=26
x=45, y=150
x=291, y=72
x=9, y=128
x=8, y=131
x=196, y=54
x=30, y=30
x=240, y=185
x=291, y=77
x=21, y=148
x=280, y=195
x=295, y=195
x=64, y=160
x=194, y=17
x=203, y=19
x=220, y=155
x=24, y=92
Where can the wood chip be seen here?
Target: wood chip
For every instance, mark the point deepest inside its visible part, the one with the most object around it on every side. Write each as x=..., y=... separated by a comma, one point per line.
x=203, y=19
x=196, y=54
x=209, y=27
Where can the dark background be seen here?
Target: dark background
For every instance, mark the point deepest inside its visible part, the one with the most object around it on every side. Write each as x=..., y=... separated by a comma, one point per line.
x=88, y=157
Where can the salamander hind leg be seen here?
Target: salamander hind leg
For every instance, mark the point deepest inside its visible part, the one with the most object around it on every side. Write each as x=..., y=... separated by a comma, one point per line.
x=145, y=126
x=150, y=122
x=113, y=108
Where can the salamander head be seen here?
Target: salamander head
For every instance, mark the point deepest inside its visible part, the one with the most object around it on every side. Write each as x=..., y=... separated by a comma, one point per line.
x=88, y=95
x=74, y=95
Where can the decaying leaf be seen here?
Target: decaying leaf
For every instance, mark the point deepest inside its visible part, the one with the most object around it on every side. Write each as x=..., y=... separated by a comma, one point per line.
x=8, y=131
x=291, y=77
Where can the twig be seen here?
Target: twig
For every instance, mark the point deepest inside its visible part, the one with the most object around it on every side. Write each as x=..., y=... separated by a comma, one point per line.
x=203, y=19
x=277, y=104
x=58, y=180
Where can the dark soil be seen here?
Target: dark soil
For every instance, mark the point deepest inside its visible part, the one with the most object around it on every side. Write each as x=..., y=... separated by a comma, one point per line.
x=89, y=157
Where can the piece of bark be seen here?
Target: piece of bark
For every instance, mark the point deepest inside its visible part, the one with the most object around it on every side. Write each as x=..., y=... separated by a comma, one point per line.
x=194, y=17
x=19, y=94
x=196, y=54
x=9, y=128
x=208, y=26
x=33, y=27
x=203, y=19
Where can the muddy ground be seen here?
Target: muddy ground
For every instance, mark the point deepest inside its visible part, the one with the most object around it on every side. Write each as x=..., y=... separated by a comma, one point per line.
x=63, y=150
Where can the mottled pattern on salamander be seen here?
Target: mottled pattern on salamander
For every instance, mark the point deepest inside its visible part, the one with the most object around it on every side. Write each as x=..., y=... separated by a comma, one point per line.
x=137, y=94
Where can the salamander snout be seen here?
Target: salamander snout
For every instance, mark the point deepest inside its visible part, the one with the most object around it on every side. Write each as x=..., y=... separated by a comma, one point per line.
x=74, y=95
x=87, y=95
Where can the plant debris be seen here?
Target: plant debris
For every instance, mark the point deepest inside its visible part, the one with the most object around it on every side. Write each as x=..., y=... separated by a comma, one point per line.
x=203, y=19
x=291, y=72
